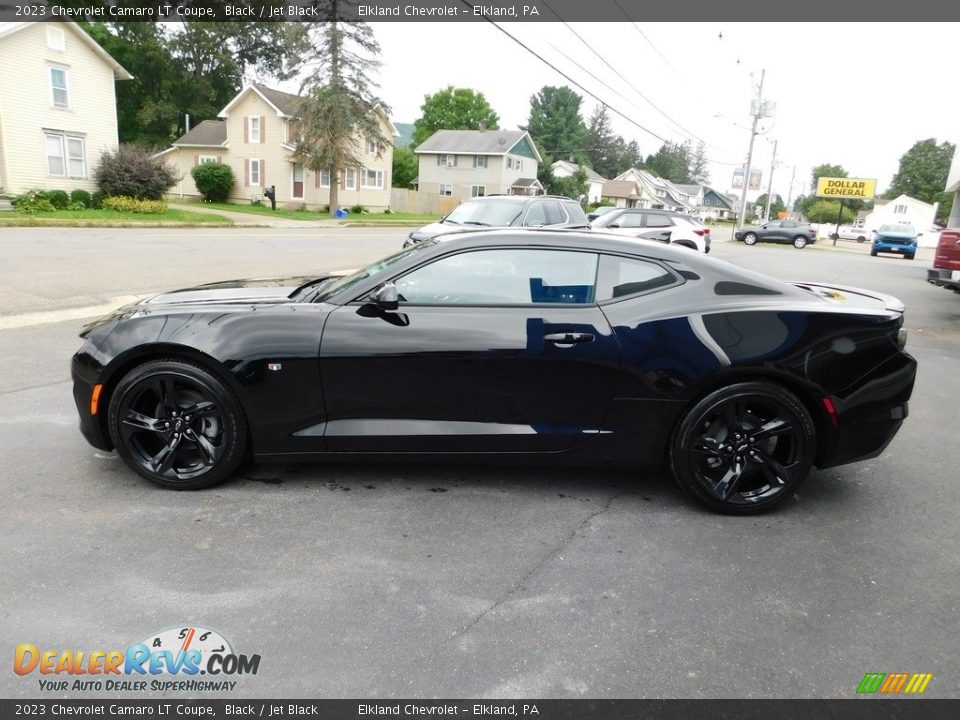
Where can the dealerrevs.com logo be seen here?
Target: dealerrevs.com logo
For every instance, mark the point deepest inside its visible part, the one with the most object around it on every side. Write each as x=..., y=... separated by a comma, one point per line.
x=169, y=660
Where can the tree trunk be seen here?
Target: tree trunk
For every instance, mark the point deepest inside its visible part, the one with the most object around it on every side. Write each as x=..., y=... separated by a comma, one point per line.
x=334, y=191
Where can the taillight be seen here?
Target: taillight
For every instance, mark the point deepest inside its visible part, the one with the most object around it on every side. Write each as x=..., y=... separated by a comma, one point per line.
x=831, y=410
x=701, y=233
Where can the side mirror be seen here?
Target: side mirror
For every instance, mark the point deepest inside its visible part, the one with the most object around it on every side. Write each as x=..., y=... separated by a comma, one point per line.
x=613, y=225
x=386, y=297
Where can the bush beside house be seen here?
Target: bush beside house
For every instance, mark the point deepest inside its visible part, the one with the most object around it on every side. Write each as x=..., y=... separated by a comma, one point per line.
x=131, y=171
x=214, y=180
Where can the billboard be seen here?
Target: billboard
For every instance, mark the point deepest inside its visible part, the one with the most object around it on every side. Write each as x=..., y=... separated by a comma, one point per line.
x=755, y=179
x=846, y=188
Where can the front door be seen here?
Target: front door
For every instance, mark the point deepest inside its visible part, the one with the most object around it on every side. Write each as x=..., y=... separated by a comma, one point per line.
x=297, y=181
x=492, y=350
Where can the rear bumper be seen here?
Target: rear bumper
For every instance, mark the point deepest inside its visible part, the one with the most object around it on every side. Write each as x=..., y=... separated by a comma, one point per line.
x=870, y=416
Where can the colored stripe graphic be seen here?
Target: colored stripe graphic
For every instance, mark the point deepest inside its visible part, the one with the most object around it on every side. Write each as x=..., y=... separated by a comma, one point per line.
x=894, y=683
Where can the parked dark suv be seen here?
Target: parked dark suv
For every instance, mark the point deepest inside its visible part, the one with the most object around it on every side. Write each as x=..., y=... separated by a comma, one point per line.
x=555, y=211
x=792, y=231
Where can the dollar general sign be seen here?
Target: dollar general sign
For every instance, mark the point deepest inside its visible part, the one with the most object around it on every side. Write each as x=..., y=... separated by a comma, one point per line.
x=843, y=188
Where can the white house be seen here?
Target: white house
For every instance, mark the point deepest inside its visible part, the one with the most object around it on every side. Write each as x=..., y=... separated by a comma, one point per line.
x=58, y=107
x=905, y=210
x=664, y=194
x=562, y=168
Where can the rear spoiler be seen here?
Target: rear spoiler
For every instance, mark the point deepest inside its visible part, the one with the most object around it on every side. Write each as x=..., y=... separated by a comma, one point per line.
x=854, y=295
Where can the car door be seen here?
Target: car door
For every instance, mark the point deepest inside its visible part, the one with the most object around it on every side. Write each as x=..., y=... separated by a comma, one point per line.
x=659, y=227
x=490, y=350
x=771, y=231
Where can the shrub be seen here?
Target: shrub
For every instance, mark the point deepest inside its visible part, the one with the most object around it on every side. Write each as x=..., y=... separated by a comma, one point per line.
x=130, y=171
x=825, y=211
x=82, y=197
x=215, y=180
x=134, y=205
x=325, y=209
x=59, y=199
x=357, y=209
x=76, y=206
x=33, y=202
x=97, y=198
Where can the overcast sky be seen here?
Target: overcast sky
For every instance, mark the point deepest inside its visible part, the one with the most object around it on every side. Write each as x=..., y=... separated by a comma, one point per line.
x=855, y=94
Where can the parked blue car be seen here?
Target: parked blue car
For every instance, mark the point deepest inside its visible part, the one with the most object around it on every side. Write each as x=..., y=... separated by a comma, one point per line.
x=900, y=239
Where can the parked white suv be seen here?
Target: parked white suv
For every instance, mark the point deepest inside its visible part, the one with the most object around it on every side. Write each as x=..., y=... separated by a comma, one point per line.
x=662, y=225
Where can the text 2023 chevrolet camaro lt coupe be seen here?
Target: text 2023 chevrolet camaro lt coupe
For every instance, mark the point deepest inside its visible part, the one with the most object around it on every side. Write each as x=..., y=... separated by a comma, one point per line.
x=507, y=345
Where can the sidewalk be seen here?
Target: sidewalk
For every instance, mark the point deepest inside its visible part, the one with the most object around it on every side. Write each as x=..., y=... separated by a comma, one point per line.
x=241, y=219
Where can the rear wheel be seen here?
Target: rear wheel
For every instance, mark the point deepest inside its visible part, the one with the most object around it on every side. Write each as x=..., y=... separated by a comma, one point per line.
x=750, y=239
x=800, y=242
x=177, y=425
x=744, y=448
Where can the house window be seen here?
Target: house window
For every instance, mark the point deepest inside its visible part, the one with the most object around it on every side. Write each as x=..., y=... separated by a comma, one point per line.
x=478, y=190
x=324, y=178
x=351, y=181
x=509, y=163
x=448, y=160
x=373, y=147
x=59, y=88
x=254, y=129
x=254, y=173
x=519, y=164
x=479, y=161
x=900, y=209
x=446, y=189
x=204, y=159
x=372, y=178
x=66, y=156
x=56, y=40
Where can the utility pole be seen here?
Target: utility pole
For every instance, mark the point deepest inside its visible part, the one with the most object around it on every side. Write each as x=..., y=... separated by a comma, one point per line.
x=757, y=112
x=793, y=176
x=773, y=163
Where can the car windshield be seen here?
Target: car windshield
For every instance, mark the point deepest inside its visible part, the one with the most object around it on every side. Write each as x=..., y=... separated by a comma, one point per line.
x=344, y=283
x=898, y=229
x=495, y=213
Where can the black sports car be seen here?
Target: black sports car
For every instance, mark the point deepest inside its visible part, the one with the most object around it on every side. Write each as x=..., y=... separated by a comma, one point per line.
x=511, y=345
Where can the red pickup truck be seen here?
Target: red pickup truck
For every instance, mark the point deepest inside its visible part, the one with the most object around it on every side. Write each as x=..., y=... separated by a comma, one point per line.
x=946, y=260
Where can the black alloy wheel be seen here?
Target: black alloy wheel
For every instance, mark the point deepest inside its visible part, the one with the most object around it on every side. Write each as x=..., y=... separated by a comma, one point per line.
x=177, y=425
x=744, y=449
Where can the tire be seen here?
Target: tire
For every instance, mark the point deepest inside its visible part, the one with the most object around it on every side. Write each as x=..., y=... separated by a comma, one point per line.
x=861, y=239
x=909, y=257
x=729, y=453
x=800, y=242
x=873, y=253
x=177, y=425
x=750, y=239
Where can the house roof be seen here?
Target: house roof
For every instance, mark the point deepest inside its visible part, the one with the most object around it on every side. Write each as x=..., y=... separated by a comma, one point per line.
x=619, y=189
x=688, y=189
x=284, y=104
x=474, y=142
x=119, y=72
x=526, y=182
x=573, y=167
x=209, y=133
x=725, y=199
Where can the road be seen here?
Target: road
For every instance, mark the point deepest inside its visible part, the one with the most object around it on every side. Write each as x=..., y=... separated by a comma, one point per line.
x=452, y=581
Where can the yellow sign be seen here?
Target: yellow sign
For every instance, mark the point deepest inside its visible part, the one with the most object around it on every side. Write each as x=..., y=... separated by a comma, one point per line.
x=843, y=188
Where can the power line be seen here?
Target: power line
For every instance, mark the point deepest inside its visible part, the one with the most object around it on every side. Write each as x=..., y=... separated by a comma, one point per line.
x=644, y=36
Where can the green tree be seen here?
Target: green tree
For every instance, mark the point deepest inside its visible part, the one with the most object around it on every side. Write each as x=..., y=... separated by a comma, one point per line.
x=699, y=169
x=555, y=124
x=629, y=156
x=604, y=149
x=339, y=98
x=671, y=162
x=825, y=211
x=825, y=170
x=923, y=174
x=453, y=109
x=575, y=186
x=775, y=206
x=405, y=167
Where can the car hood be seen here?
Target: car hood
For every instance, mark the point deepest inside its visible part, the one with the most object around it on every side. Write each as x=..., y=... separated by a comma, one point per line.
x=895, y=235
x=262, y=290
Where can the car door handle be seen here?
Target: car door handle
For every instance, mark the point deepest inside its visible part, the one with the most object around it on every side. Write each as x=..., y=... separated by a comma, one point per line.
x=571, y=338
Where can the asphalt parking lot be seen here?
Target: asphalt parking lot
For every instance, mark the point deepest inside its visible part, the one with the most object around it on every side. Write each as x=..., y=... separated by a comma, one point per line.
x=452, y=581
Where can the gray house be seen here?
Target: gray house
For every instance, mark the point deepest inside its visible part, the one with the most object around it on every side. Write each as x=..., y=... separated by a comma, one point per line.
x=473, y=163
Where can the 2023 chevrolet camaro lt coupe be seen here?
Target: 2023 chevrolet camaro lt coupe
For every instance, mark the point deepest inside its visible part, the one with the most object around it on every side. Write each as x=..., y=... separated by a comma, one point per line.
x=513, y=346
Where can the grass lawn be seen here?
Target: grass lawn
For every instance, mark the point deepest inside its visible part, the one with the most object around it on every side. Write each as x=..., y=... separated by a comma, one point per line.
x=70, y=217
x=313, y=215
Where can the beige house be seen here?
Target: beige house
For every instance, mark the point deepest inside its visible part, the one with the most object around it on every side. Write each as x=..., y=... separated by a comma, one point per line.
x=58, y=107
x=473, y=163
x=254, y=139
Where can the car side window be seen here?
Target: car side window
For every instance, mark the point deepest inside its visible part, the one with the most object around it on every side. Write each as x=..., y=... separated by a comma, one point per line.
x=631, y=220
x=503, y=276
x=620, y=277
x=658, y=221
x=773, y=224
x=555, y=214
x=536, y=215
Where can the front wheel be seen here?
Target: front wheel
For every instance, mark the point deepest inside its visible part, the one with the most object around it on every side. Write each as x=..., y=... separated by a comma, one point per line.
x=750, y=239
x=743, y=449
x=800, y=242
x=873, y=253
x=909, y=257
x=177, y=425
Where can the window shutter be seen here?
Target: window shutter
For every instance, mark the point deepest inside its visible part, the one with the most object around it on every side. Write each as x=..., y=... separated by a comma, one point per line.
x=454, y=160
x=263, y=129
x=246, y=173
x=246, y=129
x=316, y=179
x=219, y=158
x=438, y=160
x=263, y=181
x=196, y=159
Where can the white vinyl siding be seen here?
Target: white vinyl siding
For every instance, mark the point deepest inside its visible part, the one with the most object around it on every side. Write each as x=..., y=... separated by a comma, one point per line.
x=372, y=178
x=56, y=40
x=60, y=88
